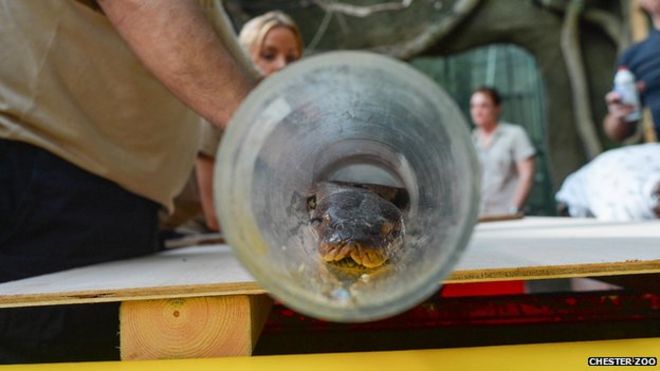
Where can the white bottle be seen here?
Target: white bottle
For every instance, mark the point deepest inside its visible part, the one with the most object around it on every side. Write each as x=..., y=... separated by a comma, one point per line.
x=624, y=84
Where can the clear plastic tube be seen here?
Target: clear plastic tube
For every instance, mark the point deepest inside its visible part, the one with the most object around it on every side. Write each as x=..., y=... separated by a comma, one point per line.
x=353, y=116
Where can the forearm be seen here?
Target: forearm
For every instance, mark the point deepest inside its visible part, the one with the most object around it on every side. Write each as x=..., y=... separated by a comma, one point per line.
x=525, y=183
x=177, y=43
x=617, y=129
x=204, y=170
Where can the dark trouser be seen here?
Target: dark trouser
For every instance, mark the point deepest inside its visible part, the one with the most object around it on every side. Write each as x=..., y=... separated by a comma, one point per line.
x=55, y=216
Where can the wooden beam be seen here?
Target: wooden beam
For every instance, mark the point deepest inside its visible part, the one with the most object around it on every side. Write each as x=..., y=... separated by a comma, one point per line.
x=192, y=327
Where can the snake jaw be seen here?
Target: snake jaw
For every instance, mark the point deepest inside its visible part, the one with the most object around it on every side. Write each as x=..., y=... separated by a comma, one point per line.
x=369, y=258
x=362, y=256
x=334, y=252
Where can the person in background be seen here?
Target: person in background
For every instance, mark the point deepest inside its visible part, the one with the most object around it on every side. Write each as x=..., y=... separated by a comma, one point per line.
x=272, y=41
x=505, y=153
x=99, y=110
x=643, y=60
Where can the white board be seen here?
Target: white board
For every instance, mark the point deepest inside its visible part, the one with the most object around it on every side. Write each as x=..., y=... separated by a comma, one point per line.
x=530, y=248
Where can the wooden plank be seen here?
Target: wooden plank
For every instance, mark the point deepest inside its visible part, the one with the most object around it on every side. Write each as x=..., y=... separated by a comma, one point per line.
x=540, y=357
x=531, y=248
x=192, y=327
x=499, y=218
x=180, y=273
x=541, y=248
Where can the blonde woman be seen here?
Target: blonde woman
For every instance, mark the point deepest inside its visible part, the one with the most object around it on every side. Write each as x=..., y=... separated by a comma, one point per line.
x=272, y=41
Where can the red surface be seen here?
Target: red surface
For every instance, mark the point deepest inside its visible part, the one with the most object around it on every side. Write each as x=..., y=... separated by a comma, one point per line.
x=483, y=289
x=498, y=310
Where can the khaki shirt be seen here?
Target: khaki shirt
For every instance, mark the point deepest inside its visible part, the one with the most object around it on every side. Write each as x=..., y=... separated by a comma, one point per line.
x=499, y=176
x=69, y=84
x=210, y=140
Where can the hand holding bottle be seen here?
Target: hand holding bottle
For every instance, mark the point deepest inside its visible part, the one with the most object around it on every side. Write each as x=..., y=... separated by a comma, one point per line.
x=623, y=101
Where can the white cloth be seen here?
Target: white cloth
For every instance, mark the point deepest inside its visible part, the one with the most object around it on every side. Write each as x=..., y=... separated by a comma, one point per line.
x=617, y=185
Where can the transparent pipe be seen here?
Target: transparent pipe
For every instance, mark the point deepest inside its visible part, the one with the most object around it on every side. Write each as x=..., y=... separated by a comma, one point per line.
x=357, y=117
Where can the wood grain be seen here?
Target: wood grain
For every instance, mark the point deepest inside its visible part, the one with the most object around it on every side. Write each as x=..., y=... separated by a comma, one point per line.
x=191, y=327
x=530, y=248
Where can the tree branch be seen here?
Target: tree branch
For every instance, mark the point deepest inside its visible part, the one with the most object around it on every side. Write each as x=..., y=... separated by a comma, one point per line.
x=608, y=23
x=361, y=11
x=320, y=31
x=433, y=33
x=570, y=46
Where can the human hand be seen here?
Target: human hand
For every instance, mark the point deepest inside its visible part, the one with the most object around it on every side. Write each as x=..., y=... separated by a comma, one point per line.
x=616, y=108
x=655, y=197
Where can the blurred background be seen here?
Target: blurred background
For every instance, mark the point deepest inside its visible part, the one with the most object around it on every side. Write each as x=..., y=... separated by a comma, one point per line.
x=552, y=60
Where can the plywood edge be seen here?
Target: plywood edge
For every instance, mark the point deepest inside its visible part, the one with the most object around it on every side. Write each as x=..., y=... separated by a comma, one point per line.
x=555, y=271
x=253, y=288
x=144, y=293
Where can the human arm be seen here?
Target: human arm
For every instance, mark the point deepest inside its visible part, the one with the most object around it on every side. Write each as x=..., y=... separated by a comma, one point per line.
x=615, y=126
x=204, y=169
x=178, y=44
x=525, y=170
x=524, y=159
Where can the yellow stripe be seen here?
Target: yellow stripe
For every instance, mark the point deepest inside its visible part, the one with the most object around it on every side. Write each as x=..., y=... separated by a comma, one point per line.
x=538, y=357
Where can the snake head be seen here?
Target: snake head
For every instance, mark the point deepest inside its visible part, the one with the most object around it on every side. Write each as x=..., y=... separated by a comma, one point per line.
x=356, y=225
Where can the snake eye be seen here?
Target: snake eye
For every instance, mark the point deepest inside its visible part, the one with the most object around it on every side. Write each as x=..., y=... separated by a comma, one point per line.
x=316, y=220
x=311, y=203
